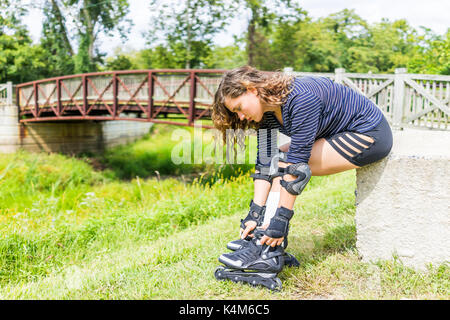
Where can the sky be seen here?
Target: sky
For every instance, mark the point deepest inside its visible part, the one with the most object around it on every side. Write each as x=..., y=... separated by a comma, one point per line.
x=433, y=14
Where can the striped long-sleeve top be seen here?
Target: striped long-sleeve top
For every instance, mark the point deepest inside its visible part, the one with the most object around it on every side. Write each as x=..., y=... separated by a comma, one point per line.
x=315, y=108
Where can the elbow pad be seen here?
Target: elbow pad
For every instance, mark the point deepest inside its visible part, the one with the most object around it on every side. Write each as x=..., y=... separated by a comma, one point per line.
x=303, y=174
x=268, y=173
x=263, y=174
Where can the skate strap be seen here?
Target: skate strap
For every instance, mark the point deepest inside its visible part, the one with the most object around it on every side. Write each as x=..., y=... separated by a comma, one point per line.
x=256, y=213
x=268, y=252
x=279, y=224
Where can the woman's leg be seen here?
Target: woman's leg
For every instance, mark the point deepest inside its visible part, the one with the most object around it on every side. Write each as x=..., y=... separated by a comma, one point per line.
x=326, y=160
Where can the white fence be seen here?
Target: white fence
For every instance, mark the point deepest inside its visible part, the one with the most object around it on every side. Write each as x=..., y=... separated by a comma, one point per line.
x=6, y=93
x=407, y=100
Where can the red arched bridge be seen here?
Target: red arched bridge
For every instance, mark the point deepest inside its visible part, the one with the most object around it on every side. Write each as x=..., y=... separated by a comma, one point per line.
x=178, y=97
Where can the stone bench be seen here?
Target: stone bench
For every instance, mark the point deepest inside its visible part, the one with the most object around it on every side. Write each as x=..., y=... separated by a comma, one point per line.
x=403, y=201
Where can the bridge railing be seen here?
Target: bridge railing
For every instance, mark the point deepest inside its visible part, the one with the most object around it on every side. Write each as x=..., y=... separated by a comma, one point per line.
x=6, y=93
x=407, y=100
x=112, y=95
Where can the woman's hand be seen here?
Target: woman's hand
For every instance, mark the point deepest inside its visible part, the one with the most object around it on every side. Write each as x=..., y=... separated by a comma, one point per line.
x=249, y=227
x=272, y=241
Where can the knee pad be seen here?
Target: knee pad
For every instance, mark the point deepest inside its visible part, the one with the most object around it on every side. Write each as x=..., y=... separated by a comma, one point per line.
x=303, y=174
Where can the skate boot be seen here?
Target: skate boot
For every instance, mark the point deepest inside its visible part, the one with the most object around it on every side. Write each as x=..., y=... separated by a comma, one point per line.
x=254, y=264
x=289, y=259
x=256, y=214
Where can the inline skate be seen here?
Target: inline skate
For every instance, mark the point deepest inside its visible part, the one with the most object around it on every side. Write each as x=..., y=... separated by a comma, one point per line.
x=255, y=264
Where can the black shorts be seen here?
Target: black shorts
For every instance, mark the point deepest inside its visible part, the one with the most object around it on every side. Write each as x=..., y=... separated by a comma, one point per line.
x=368, y=151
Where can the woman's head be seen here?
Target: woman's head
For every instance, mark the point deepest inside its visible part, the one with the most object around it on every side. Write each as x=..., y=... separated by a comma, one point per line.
x=244, y=94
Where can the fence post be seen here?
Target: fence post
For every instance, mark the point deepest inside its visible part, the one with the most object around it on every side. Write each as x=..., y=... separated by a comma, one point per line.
x=85, y=94
x=192, y=95
x=9, y=93
x=36, y=99
x=399, y=93
x=58, y=97
x=151, y=88
x=339, y=75
x=115, y=95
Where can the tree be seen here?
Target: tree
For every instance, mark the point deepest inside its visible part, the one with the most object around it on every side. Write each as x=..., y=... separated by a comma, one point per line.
x=11, y=12
x=20, y=60
x=226, y=57
x=55, y=40
x=186, y=29
x=120, y=62
x=388, y=46
x=433, y=56
x=91, y=19
x=263, y=14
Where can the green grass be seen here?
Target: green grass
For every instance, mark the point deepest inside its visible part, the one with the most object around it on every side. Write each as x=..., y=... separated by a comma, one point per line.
x=69, y=231
x=152, y=156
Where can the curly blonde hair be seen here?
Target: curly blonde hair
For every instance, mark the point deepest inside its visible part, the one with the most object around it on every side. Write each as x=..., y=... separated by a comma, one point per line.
x=272, y=87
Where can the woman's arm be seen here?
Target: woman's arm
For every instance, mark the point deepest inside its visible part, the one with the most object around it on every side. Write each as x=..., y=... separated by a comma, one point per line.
x=261, y=192
x=287, y=200
x=285, y=147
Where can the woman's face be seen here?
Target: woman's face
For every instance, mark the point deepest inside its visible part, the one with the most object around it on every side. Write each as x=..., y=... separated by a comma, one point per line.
x=247, y=106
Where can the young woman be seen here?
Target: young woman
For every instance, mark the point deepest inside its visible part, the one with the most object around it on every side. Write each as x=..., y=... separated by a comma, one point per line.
x=332, y=128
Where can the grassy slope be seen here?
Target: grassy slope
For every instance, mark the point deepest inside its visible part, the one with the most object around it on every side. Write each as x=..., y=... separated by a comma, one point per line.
x=76, y=233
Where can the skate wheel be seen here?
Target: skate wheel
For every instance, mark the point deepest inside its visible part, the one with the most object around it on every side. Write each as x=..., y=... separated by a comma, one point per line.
x=219, y=273
x=276, y=285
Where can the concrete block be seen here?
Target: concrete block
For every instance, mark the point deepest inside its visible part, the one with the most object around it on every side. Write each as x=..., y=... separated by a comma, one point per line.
x=9, y=129
x=66, y=137
x=8, y=148
x=403, y=201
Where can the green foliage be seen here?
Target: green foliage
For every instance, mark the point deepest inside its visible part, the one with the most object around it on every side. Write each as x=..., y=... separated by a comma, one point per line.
x=387, y=46
x=93, y=17
x=120, y=62
x=58, y=49
x=152, y=157
x=182, y=32
x=182, y=36
x=227, y=57
x=343, y=40
x=20, y=60
x=263, y=14
x=316, y=50
x=56, y=211
x=433, y=56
